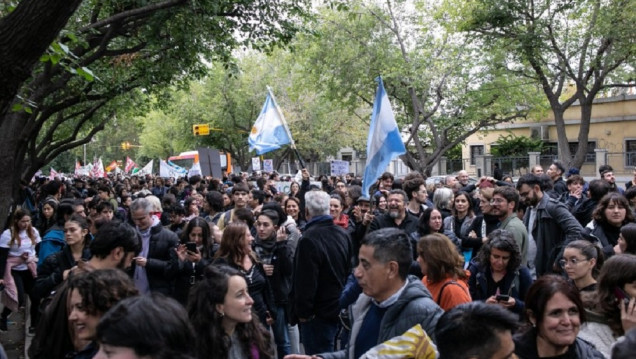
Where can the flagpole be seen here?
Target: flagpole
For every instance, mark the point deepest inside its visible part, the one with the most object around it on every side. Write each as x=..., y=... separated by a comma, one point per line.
x=291, y=139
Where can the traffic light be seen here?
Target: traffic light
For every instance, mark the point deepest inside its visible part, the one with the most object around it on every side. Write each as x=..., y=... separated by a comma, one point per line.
x=201, y=129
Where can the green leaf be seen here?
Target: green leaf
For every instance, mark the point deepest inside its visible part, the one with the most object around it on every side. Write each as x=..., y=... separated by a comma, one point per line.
x=86, y=73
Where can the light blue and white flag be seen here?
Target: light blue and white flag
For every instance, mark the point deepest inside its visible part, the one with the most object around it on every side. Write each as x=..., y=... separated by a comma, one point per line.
x=169, y=169
x=270, y=131
x=384, y=142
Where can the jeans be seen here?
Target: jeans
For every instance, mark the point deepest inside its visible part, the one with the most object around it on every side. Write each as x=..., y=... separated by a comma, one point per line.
x=319, y=336
x=281, y=334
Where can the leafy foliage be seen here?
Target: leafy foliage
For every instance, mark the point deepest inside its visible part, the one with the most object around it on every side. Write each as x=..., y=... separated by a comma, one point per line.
x=511, y=145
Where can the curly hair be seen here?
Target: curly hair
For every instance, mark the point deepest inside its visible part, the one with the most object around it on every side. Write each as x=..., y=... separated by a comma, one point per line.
x=441, y=257
x=502, y=240
x=615, y=273
x=101, y=289
x=207, y=321
x=616, y=199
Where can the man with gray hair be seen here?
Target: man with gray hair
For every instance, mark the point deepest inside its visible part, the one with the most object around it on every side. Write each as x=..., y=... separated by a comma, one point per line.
x=322, y=264
x=156, y=265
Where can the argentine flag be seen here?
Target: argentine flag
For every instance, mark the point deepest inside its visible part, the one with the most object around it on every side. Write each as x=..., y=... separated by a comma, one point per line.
x=384, y=142
x=269, y=132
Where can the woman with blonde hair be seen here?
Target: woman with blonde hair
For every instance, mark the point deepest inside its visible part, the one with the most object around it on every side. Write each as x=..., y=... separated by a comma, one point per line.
x=443, y=269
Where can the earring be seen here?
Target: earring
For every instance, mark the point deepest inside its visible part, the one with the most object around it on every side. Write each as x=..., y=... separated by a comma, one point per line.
x=221, y=314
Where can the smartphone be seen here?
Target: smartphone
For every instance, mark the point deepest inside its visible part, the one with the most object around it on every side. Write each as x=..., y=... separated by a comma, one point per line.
x=191, y=247
x=502, y=297
x=621, y=295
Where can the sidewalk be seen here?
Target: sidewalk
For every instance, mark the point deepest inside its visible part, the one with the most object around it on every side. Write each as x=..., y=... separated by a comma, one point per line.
x=13, y=339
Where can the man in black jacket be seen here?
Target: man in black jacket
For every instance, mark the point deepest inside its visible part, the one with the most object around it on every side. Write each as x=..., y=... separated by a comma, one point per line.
x=156, y=266
x=321, y=266
x=549, y=222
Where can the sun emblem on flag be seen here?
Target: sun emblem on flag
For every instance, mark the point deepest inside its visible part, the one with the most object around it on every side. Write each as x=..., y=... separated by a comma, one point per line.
x=254, y=130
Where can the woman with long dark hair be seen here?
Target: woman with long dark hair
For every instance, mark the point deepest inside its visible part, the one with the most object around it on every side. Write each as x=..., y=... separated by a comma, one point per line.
x=627, y=238
x=430, y=222
x=194, y=254
x=613, y=314
x=458, y=224
x=221, y=313
x=236, y=251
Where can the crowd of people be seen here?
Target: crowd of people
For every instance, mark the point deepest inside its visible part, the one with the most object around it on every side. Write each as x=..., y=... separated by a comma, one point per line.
x=143, y=267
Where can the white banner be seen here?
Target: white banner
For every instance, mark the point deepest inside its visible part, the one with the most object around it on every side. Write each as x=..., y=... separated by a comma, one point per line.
x=339, y=168
x=256, y=164
x=268, y=165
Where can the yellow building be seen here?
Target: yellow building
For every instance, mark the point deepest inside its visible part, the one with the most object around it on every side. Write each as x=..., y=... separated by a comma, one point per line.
x=612, y=138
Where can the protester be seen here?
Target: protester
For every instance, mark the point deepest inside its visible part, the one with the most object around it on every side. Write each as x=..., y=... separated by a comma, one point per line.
x=17, y=265
x=627, y=238
x=156, y=266
x=581, y=262
x=476, y=330
x=91, y=294
x=555, y=228
x=321, y=266
x=392, y=301
x=145, y=327
x=497, y=276
x=57, y=267
x=443, y=269
x=274, y=250
x=609, y=216
x=236, y=251
x=221, y=314
x=194, y=254
x=616, y=298
x=555, y=312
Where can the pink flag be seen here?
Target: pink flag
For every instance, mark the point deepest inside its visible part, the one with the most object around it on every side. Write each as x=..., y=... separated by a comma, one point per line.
x=130, y=164
x=53, y=174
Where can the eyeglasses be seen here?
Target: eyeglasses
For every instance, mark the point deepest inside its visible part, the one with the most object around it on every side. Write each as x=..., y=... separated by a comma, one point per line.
x=497, y=200
x=573, y=262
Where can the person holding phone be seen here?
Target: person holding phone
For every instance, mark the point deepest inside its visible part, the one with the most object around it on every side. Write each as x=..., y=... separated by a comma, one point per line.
x=274, y=250
x=497, y=276
x=615, y=307
x=194, y=254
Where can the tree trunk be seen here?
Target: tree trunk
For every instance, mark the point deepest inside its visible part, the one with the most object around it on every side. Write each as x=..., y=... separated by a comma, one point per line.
x=11, y=162
x=584, y=131
x=564, y=147
x=26, y=33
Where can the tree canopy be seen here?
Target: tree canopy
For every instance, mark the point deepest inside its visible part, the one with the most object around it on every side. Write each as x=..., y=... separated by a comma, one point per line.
x=71, y=66
x=588, y=45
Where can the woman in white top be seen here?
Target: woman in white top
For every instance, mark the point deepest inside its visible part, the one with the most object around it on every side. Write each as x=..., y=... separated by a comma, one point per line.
x=17, y=264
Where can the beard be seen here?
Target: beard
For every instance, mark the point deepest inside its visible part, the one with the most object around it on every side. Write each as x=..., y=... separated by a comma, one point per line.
x=394, y=213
